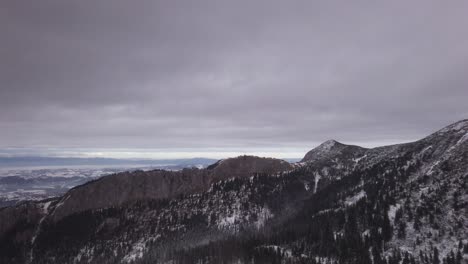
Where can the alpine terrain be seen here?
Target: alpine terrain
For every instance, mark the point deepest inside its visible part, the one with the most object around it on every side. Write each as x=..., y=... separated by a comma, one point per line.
x=405, y=203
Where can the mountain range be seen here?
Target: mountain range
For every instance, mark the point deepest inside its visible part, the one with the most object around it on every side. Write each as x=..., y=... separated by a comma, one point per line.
x=405, y=203
x=38, y=178
x=32, y=161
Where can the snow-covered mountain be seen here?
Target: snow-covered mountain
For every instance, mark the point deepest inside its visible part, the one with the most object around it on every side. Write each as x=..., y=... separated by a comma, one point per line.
x=404, y=203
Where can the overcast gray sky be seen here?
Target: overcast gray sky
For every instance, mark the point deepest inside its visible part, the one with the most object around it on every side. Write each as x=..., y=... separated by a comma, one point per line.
x=203, y=78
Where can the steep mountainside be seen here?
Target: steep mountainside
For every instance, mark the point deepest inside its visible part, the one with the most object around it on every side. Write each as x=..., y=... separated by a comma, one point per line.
x=342, y=204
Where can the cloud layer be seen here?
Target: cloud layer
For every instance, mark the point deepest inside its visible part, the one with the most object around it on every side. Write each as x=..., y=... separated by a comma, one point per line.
x=229, y=75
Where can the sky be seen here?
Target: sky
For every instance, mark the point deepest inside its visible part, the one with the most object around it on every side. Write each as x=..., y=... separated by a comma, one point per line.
x=167, y=79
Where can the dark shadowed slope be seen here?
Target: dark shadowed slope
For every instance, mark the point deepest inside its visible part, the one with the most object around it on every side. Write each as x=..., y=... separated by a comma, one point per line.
x=404, y=203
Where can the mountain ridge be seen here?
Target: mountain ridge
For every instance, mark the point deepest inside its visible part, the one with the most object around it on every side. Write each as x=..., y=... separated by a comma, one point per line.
x=404, y=202
x=159, y=184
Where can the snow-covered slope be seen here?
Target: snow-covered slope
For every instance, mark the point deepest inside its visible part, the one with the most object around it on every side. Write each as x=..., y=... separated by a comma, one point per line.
x=404, y=203
x=331, y=148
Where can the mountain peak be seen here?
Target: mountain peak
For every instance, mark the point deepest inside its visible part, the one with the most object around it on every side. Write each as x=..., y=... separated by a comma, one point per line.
x=329, y=148
x=329, y=144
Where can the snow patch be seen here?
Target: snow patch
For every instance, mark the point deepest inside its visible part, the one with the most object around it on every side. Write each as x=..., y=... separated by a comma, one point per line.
x=45, y=210
x=355, y=198
x=84, y=252
x=430, y=171
x=462, y=139
x=327, y=145
x=307, y=186
x=357, y=160
x=392, y=211
x=228, y=221
x=262, y=217
x=316, y=180
x=283, y=251
x=236, y=217
x=45, y=206
x=62, y=202
x=455, y=127
x=136, y=253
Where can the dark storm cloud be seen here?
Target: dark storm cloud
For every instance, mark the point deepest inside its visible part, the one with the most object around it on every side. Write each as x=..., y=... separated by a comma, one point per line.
x=229, y=74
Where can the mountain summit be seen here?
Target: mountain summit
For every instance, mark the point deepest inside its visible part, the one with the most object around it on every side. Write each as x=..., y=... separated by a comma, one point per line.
x=403, y=203
x=246, y=166
x=329, y=149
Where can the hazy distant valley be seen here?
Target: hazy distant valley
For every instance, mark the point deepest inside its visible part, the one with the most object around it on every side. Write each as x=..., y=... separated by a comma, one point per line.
x=39, y=178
